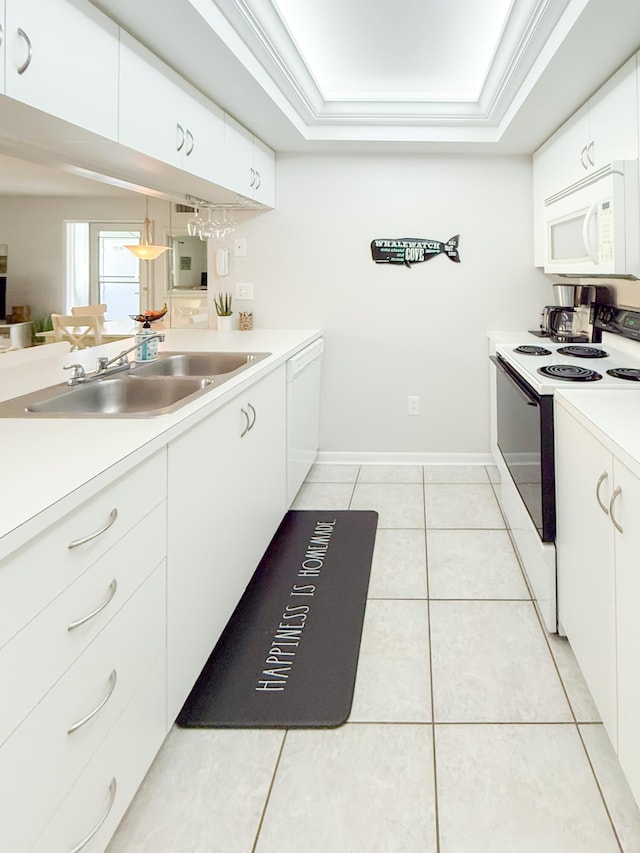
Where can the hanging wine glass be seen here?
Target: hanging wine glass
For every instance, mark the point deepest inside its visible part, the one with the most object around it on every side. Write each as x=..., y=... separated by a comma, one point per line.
x=195, y=223
x=209, y=227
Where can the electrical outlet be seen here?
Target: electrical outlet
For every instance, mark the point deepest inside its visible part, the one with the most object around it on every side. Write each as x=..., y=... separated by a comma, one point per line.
x=413, y=405
x=244, y=290
x=240, y=247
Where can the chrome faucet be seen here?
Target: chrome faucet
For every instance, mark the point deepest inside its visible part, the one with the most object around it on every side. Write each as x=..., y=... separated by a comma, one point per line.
x=107, y=366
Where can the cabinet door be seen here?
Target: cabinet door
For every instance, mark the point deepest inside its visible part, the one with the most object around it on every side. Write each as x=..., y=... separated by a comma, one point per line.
x=585, y=553
x=226, y=499
x=68, y=55
x=613, y=118
x=149, y=104
x=566, y=153
x=203, y=151
x=239, y=174
x=626, y=510
x=264, y=164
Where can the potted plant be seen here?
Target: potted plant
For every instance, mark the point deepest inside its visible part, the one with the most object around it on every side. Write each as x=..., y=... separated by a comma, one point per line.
x=222, y=301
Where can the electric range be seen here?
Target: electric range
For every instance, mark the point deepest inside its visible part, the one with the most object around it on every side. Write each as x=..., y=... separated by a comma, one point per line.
x=527, y=374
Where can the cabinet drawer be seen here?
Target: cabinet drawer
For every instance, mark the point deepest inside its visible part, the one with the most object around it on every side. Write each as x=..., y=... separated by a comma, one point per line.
x=124, y=756
x=41, y=760
x=36, y=573
x=37, y=656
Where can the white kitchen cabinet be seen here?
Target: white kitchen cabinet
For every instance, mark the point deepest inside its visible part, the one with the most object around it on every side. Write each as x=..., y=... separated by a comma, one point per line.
x=165, y=118
x=599, y=579
x=249, y=166
x=83, y=614
x=604, y=129
x=62, y=59
x=586, y=560
x=626, y=511
x=227, y=485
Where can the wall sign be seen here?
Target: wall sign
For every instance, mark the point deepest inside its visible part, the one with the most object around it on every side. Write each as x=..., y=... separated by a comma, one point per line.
x=410, y=250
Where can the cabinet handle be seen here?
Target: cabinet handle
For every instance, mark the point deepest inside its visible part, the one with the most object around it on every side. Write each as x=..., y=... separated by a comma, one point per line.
x=253, y=422
x=590, y=148
x=601, y=480
x=112, y=518
x=113, y=586
x=614, y=497
x=583, y=154
x=259, y=179
x=180, y=137
x=113, y=787
x=22, y=68
x=191, y=141
x=113, y=678
x=247, y=427
x=253, y=177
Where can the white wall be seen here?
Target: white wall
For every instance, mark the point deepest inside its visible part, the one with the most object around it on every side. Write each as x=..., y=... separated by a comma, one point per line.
x=394, y=332
x=390, y=332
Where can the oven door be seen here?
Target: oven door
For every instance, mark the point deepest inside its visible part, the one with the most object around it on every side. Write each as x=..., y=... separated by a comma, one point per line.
x=525, y=440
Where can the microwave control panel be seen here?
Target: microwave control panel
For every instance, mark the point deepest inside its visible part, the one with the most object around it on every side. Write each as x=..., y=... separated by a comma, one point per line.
x=605, y=229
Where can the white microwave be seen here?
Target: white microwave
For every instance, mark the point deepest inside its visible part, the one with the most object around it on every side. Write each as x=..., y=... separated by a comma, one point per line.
x=592, y=228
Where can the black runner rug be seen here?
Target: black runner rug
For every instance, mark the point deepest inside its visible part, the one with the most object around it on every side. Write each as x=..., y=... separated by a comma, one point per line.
x=289, y=653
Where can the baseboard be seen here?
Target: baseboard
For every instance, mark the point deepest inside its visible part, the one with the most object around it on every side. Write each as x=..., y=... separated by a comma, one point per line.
x=352, y=457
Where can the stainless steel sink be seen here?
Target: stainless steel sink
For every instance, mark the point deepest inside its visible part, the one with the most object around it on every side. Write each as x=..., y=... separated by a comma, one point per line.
x=122, y=396
x=146, y=390
x=199, y=363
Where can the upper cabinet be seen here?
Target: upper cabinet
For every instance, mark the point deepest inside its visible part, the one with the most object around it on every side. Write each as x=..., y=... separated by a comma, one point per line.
x=62, y=59
x=163, y=117
x=604, y=129
x=249, y=164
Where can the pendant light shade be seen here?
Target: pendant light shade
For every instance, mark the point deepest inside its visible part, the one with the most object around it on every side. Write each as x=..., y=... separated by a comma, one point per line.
x=146, y=250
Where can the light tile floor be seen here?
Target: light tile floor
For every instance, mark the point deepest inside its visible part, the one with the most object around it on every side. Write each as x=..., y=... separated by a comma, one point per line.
x=471, y=729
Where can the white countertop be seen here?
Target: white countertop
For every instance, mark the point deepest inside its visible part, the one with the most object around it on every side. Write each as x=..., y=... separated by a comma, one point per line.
x=612, y=417
x=50, y=464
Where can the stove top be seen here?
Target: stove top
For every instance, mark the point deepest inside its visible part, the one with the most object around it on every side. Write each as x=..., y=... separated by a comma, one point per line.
x=616, y=362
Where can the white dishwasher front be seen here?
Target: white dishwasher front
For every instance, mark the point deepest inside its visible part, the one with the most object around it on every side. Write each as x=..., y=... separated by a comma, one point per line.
x=303, y=414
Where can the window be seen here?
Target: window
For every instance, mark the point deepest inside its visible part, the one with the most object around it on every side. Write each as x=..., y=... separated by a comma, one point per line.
x=100, y=269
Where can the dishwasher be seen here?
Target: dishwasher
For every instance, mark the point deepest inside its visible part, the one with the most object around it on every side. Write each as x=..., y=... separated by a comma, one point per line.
x=303, y=414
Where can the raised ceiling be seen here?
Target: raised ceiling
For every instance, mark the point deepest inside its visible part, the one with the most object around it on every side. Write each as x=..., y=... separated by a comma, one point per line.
x=497, y=76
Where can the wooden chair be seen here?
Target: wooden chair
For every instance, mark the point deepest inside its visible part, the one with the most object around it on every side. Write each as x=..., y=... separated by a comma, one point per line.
x=87, y=310
x=79, y=330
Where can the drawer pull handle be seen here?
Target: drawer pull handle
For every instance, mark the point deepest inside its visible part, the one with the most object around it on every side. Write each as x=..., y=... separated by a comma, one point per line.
x=113, y=586
x=112, y=518
x=113, y=787
x=22, y=68
x=247, y=427
x=601, y=480
x=253, y=422
x=614, y=497
x=113, y=678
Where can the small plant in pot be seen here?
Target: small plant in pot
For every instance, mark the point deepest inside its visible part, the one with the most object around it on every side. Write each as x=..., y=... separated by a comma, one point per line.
x=222, y=301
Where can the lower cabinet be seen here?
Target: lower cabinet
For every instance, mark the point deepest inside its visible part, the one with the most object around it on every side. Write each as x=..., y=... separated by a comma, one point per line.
x=599, y=580
x=227, y=495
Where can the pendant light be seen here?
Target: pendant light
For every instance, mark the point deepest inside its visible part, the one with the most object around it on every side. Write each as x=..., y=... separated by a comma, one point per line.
x=146, y=250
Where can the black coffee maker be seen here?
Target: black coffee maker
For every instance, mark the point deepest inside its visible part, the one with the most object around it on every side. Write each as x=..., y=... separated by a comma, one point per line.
x=568, y=320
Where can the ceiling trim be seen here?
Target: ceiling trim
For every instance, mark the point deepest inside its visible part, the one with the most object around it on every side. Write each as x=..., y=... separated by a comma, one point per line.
x=264, y=33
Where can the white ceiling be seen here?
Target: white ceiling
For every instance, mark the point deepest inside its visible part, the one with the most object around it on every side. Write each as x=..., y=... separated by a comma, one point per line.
x=497, y=76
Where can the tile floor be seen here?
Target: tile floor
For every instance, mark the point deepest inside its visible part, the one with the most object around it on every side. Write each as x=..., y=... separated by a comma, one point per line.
x=471, y=729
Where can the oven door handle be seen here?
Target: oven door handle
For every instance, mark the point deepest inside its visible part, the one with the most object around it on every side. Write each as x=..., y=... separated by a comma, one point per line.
x=519, y=383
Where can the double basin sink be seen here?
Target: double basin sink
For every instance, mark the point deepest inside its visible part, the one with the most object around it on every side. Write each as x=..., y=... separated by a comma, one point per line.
x=145, y=390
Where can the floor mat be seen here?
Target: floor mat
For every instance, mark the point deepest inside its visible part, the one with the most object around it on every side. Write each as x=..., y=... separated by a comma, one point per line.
x=289, y=653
